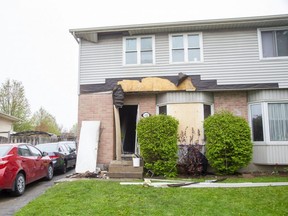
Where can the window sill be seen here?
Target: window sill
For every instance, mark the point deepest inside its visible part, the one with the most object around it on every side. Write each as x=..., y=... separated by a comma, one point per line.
x=138, y=65
x=275, y=58
x=185, y=63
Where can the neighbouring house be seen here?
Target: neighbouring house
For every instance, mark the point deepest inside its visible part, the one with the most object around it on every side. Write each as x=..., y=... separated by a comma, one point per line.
x=189, y=70
x=6, y=126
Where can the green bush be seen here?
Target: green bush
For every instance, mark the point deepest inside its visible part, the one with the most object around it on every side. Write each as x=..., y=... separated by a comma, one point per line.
x=228, y=142
x=157, y=137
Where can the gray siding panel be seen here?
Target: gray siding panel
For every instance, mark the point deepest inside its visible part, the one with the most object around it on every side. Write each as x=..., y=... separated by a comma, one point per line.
x=267, y=95
x=230, y=57
x=185, y=97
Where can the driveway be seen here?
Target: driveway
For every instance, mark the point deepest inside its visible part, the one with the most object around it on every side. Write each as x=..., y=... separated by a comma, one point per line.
x=9, y=204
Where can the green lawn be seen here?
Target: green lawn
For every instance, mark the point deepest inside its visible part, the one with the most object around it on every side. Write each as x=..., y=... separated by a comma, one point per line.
x=103, y=197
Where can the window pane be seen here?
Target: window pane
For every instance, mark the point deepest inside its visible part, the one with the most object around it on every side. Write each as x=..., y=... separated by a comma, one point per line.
x=146, y=43
x=207, y=111
x=146, y=57
x=194, y=54
x=178, y=55
x=163, y=110
x=35, y=152
x=131, y=44
x=4, y=150
x=268, y=44
x=177, y=42
x=193, y=41
x=257, y=125
x=278, y=122
x=282, y=42
x=23, y=150
x=131, y=58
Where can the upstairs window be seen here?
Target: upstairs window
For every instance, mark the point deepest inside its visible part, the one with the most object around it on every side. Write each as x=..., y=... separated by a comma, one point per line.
x=185, y=48
x=138, y=50
x=274, y=43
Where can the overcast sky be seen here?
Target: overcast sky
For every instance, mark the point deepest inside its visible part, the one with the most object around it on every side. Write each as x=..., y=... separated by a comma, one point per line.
x=38, y=50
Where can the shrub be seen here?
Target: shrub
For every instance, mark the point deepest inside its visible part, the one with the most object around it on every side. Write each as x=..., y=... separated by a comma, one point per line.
x=228, y=142
x=157, y=137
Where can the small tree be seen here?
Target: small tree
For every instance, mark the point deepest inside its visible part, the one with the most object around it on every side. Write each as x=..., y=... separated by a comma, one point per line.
x=44, y=121
x=157, y=137
x=13, y=102
x=228, y=142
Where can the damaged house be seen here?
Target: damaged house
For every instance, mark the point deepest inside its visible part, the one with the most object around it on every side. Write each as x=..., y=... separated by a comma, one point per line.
x=188, y=70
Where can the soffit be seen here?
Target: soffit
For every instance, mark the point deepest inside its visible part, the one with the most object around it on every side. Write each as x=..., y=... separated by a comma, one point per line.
x=91, y=34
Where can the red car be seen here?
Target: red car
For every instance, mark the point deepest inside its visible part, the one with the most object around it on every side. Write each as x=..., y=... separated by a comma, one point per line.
x=21, y=164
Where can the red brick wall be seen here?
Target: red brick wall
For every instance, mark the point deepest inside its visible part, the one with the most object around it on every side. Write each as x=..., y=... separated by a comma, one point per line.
x=146, y=102
x=233, y=101
x=99, y=107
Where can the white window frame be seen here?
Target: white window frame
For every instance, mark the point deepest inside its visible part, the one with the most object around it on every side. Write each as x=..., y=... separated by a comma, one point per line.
x=185, y=37
x=259, y=30
x=265, y=123
x=138, y=49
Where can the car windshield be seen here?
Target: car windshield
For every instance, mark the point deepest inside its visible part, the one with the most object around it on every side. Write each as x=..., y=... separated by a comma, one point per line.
x=48, y=147
x=4, y=149
x=72, y=145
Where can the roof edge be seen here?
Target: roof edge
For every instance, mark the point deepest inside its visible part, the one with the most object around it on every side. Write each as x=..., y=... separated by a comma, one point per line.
x=122, y=28
x=9, y=117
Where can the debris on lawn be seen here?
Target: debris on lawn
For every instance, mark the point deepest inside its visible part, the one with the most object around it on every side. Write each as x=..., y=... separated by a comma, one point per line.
x=207, y=184
x=97, y=174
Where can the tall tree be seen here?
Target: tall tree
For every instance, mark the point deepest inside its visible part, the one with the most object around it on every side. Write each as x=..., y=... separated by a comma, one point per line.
x=44, y=121
x=13, y=102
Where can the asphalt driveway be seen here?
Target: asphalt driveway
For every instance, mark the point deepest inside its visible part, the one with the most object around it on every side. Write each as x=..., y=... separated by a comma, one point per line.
x=9, y=204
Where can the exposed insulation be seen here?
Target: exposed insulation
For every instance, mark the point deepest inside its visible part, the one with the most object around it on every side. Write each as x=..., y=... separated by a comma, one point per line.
x=155, y=84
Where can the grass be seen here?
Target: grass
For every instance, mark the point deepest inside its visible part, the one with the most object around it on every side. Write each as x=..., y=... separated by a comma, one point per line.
x=97, y=197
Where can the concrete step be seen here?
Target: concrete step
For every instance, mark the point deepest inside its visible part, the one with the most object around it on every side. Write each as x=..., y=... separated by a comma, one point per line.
x=126, y=175
x=124, y=169
x=119, y=168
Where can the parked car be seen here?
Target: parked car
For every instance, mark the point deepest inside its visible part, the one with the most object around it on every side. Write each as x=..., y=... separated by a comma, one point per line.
x=63, y=156
x=71, y=144
x=21, y=164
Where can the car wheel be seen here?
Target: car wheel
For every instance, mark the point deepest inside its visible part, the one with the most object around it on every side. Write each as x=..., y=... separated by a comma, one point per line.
x=64, y=170
x=50, y=172
x=19, y=185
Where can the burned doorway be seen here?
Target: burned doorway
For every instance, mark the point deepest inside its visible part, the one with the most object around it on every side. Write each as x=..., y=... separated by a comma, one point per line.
x=128, y=120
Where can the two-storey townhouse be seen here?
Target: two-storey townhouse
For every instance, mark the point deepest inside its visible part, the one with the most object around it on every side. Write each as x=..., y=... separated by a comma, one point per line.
x=189, y=70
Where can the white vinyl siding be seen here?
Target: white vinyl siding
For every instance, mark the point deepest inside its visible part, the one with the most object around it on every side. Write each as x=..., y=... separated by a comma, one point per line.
x=138, y=50
x=231, y=57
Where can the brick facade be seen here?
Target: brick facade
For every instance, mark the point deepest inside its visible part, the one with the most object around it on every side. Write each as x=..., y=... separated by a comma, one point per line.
x=146, y=102
x=233, y=101
x=99, y=107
